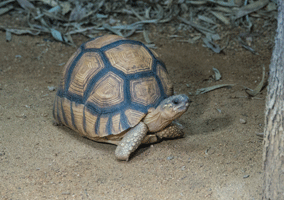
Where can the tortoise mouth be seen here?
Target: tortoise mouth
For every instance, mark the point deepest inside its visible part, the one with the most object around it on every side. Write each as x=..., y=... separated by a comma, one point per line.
x=182, y=107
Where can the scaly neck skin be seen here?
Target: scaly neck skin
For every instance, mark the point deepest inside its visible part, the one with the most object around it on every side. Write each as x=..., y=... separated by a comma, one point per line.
x=155, y=121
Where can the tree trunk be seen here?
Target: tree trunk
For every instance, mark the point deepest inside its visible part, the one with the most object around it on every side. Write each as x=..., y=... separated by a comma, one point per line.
x=273, y=155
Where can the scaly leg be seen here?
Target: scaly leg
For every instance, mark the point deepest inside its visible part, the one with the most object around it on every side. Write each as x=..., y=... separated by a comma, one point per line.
x=172, y=131
x=131, y=141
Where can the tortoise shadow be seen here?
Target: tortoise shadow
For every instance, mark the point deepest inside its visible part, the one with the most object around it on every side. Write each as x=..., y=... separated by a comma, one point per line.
x=210, y=125
x=100, y=146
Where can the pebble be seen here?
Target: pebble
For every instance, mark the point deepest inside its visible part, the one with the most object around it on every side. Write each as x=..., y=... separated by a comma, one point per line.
x=65, y=193
x=246, y=176
x=51, y=88
x=21, y=116
x=243, y=121
x=170, y=157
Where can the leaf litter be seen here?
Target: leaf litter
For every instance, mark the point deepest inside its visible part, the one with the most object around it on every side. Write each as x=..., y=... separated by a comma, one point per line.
x=199, y=20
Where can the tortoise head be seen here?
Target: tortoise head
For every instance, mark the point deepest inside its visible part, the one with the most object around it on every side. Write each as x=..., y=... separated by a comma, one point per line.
x=169, y=109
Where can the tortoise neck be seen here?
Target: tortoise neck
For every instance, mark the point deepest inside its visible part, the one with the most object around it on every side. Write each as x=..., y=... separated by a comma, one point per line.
x=155, y=121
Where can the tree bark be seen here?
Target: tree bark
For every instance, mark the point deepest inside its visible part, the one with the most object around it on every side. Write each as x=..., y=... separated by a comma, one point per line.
x=273, y=155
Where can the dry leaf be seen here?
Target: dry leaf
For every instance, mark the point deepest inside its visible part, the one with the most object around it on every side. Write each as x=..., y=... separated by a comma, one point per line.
x=208, y=89
x=26, y=5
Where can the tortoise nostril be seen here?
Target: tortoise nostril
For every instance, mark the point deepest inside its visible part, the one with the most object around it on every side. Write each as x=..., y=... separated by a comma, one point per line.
x=175, y=101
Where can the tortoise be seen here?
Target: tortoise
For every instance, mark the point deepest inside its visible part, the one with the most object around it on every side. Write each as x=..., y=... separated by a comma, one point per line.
x=118, y=91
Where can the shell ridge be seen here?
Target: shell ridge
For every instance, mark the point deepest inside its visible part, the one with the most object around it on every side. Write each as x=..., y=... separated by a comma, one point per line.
x=71, y=68
x=127, y=92
x=92, y=83
x=74, y=97
x=100, y=74
x=124, y=120
x=109, y=125
x=120, y=42
x=97, y=125
x=72, y=116
x=63, y=113
x=84, y=119
x=163, y=94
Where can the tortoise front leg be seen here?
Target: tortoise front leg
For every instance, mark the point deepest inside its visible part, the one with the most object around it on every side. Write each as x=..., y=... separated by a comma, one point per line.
x=131, y=141
x=172, y=131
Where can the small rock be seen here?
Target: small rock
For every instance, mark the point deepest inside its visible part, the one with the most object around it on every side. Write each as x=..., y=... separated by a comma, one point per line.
x=2, y=153
x=51, y=88
x=18, y=56
x=65, y=193
x=183, y=168
x=23, y=116
x=243, y=121
x=170, y=157
x=260, y=134
x=246, y=176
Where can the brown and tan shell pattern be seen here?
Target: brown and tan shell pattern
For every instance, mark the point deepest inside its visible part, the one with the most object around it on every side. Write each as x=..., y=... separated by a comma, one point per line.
x=108, y=85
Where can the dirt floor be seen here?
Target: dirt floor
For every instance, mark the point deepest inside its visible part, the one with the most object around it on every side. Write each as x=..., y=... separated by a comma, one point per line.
x=220, y=156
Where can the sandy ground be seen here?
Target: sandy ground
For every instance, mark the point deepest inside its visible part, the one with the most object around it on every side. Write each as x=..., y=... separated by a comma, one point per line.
x=220, y=156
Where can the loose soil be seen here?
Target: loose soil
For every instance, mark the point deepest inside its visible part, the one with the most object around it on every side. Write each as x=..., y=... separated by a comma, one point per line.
x=220, y=156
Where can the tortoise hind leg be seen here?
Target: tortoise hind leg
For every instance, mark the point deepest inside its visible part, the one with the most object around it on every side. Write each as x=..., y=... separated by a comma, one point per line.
x=149, y=139
x=131, y=141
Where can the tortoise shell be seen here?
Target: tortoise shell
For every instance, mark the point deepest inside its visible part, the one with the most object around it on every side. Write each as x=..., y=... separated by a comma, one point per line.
x=108, y=85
